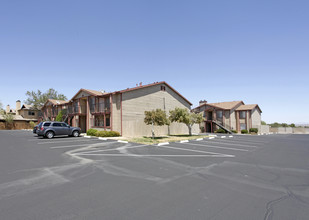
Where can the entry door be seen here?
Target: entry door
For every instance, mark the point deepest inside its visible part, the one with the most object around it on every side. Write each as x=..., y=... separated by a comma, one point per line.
x=82, y=123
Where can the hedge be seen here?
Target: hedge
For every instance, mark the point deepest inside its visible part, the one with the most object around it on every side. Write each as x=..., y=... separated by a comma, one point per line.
x=220, y=130
x=107, y=134
x=253, y=130
x=92, y=132
x=244, y=131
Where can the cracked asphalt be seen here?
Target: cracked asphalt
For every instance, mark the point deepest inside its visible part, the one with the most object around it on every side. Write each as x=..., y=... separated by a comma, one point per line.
x=238, y=178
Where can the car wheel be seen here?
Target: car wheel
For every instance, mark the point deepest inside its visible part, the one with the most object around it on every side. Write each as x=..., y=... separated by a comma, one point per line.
x=75, y=134
x=49, y=134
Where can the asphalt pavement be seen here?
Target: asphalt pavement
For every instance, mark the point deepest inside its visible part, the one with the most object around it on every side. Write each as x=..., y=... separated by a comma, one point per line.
x=236, y=178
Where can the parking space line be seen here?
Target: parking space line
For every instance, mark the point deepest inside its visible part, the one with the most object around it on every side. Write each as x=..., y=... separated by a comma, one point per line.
x=66, y=146
x=197, y=151
x=55, y=142
x=235, y=142
x=225, y=143
x=155, y=155
x=104, y=150
x=211, y=146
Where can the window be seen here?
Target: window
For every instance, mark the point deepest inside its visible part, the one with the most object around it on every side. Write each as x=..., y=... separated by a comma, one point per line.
x=108, y=120
x=243, y=126
x=219, y=114
x=57, y=125
x=46, y=124
x=162, y=88
x=31, y=113
x=99, y=121
x=242, y=114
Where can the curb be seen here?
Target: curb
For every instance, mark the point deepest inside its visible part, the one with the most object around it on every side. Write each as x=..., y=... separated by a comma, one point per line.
x=223, y=136
x=120, y=141
x=199, y=139
x=230, y=136
x=184, y=141
x=101, y=138
x=165, y=143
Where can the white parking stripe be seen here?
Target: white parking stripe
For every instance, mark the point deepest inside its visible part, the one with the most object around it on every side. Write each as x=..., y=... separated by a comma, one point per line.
x=224, y=143
x=55, y=142
x=113, y=149
x=197, y=151
x=149, y=155
x=66, y=146
x=235, y=141
x=211, y=146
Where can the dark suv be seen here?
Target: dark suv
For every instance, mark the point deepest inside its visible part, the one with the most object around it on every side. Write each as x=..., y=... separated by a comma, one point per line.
x=50, y=129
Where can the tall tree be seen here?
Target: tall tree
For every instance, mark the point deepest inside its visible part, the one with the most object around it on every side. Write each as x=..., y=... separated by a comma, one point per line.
x=37, y=99
x=292, y=125
x=155, y=118
x=182, y=115
x=263, y=122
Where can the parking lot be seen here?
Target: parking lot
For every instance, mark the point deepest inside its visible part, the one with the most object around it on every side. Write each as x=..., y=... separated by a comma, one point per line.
x=223, y=177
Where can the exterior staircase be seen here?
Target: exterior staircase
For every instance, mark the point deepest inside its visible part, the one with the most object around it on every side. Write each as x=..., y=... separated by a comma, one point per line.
x=228, y=130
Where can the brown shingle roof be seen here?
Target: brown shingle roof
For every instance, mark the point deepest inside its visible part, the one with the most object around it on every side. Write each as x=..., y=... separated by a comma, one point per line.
x=226, y=105
x=91, y=92
x=153, y=84
x=247, y=107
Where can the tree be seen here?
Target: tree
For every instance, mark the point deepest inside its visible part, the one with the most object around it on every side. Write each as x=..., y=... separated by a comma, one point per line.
x=38, y=99
x=1, y=106
x=155, y=118
x=263, y=122
x=59, y=116
x=8, y=118
x=182, y=115
x=284, y=125
x=292, y=125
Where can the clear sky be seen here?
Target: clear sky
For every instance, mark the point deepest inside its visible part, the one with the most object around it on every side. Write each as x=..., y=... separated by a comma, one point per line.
x=219, y=50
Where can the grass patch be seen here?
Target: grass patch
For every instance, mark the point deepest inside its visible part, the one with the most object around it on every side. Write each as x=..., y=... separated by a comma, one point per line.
x=157, y=140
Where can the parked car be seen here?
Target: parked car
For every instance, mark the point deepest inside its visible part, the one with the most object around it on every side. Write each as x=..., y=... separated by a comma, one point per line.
x=50, y=129
x=35, y=128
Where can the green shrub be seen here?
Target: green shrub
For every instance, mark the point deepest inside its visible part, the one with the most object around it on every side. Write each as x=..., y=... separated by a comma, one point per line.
x=253, y=130
x=244, y=131
x=202, y=129
x=220, y=130
x=32, y=124
x=107, y=134
x=92, y=132
x=234, y=131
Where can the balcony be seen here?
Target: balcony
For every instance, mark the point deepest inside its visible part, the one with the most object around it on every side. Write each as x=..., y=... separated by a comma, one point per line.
x=99, y=108
x=77, y=109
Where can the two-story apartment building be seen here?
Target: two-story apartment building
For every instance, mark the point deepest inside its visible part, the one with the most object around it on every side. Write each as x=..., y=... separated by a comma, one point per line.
x=123, y=110
x=229, y=116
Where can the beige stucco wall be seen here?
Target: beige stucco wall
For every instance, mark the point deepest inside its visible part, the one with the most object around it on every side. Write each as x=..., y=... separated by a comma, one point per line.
x=116, y=113
x=136, y=102
x=233, y=119
x=24, y=113
x=256, y=118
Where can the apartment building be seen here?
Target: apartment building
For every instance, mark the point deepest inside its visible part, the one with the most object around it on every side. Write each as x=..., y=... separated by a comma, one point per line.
x=122, y=110
x=229, y=116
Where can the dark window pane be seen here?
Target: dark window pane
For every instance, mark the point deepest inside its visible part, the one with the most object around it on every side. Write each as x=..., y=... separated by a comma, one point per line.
x=57, y=125
x=46, y=124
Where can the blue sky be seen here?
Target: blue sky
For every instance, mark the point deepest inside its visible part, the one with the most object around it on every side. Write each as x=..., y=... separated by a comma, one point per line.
x=251, y=50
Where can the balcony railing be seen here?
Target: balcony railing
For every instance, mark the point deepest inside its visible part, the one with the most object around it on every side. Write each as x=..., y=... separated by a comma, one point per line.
x=99, y=108
x=77, y=109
